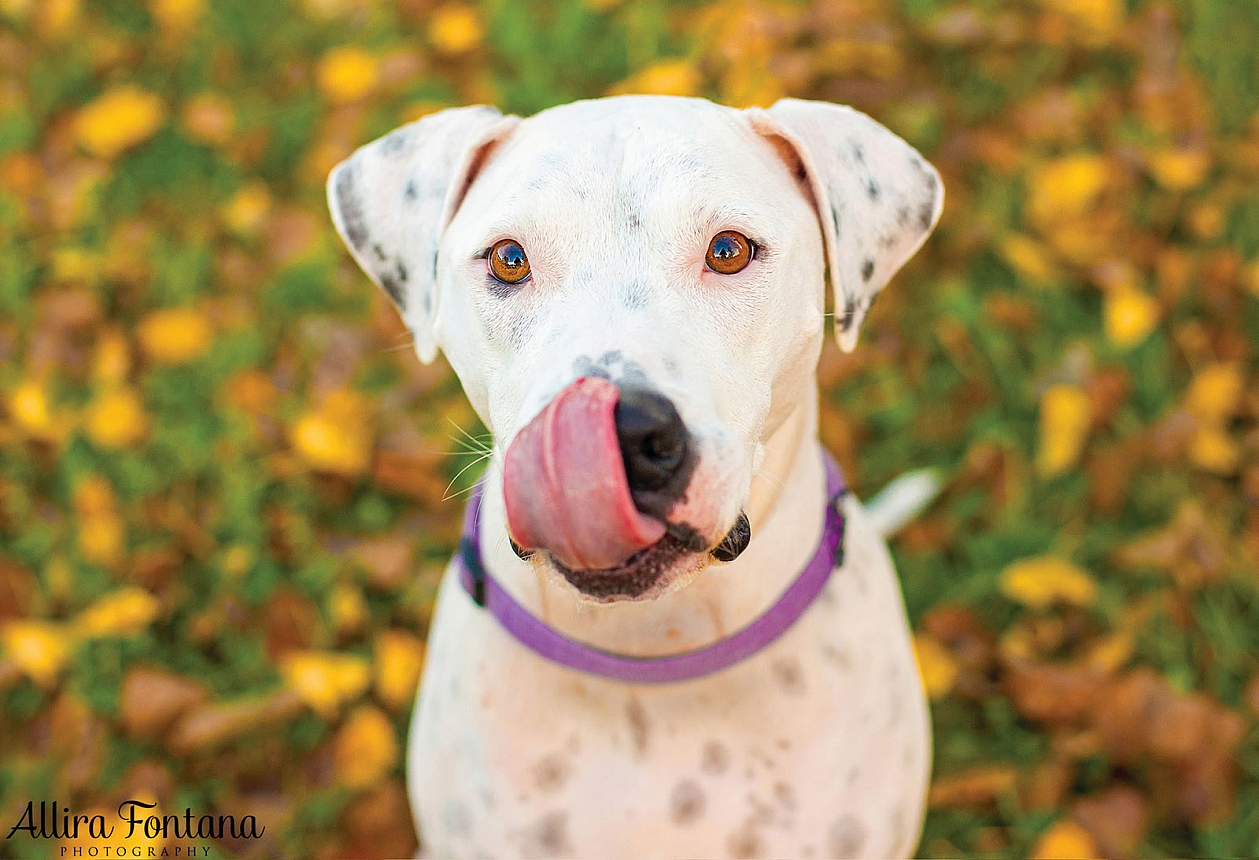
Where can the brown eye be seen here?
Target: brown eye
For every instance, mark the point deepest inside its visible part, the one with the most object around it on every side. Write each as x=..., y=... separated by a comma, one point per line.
x=729, y=252
x=508, y=262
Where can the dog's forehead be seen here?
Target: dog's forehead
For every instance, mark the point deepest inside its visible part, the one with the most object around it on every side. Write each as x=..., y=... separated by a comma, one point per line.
x=642, y=139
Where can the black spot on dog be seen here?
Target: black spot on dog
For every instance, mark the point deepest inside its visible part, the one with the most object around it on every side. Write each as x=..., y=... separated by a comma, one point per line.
x=745, y=843
x=872, y=189
x=379, y=252
x=835, y=217
x=714, y=759
x=789, y=676
x=550, y=774
x=401, y=269
x=902, y=215
x=350, y=206
x=784, y=795
x=549, y=837
x=633, y=299
x=640, y=730
x=686, y=804
x=410, y=192
x=925, y=212
x=394, y=143
x=390, y=285
x=850, y=311
x=858, y=152
x=846, y=837
x=867, y=270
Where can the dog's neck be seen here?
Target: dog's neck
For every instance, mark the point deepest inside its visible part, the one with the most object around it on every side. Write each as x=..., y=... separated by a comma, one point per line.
x=786, y=511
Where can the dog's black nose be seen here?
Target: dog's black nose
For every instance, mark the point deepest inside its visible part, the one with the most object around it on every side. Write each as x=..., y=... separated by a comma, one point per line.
x=655, y=448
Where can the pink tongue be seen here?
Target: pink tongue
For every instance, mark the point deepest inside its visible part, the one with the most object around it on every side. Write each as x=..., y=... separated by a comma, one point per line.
x=565, y=484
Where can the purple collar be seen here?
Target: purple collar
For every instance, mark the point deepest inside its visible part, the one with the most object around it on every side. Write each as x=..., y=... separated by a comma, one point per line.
x=548, y=642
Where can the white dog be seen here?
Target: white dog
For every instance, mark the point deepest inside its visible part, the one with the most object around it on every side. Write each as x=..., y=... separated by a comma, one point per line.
x=660, y=637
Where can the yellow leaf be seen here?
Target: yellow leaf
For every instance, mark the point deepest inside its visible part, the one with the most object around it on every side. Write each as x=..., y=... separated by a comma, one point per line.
x=1206, y=220
x=208, y=118
x=1026, y=257
x=399, y=661
x=174, y=335
x=325, y=681
x=1251, y=278
x=1128, y=316
x=347, y=608
x=936, y=666
x=337, y=437
x=1065, y=417
x=1112, y=652
x=1065, y=188
x=1179, y=169
x=118, y=120
x=1042, y=581
x=664, y=77
x=248, y=208
x=365, y=749
x=1100, y=18
x=125, y=612
x=1065, y=840
x=116, y=418
x=454, y=29
x=176, y=17
x=111, y=356
x=28, y=404
x=101, y=531
x=347, y=74
x=1215, y=393
x=56, y=17
x=1214, y=450
x=39, y=649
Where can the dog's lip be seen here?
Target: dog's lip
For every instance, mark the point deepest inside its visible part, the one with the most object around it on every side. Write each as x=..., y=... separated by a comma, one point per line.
x=644, y=573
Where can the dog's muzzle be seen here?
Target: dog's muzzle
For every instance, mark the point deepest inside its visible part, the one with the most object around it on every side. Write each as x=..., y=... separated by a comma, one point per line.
x=566, y=482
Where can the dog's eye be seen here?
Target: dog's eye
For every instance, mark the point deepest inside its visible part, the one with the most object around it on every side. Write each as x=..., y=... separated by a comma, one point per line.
x=508, y=262
x=729, y=252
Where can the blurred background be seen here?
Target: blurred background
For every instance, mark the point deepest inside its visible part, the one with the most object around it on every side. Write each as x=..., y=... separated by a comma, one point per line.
x=228, y=488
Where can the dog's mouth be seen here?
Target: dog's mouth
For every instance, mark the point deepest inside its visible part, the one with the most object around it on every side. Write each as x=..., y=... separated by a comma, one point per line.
x=652, y=571
x=644, y=574
x=594, y=486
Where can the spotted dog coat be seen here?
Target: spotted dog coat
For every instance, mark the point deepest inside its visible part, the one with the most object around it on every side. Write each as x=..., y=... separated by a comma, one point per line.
x=818, y=745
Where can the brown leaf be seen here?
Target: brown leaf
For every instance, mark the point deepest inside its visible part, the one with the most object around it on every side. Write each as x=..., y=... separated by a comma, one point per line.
x=415, y=474
x=386, y=560
x=1050, y=692
x=1047, y=784
x=380, y=822
x=1117, y=817
x=977, y=786
x=291, y=621
x=152, y=699
x=215, y=724
x=973, y=647
x=17, y=589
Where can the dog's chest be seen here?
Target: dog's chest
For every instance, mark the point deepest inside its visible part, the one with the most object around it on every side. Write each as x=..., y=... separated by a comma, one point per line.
x=817, y=746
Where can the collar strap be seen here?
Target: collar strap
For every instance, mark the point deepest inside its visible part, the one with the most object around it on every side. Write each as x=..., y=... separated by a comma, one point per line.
x=546, y=641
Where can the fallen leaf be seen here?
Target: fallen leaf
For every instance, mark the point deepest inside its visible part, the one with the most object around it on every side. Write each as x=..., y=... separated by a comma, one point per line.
x=1042, y=581
x=119, y=119
x=365, y=748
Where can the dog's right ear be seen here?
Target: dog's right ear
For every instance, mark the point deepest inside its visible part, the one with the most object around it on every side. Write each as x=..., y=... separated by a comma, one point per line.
x=392, y=199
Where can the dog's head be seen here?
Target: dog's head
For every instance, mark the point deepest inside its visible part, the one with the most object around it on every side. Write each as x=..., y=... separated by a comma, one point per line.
x=631, y=291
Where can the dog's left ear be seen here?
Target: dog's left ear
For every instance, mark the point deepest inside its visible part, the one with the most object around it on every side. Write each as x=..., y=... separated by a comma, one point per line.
x=877, y=199
x=392, y=199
